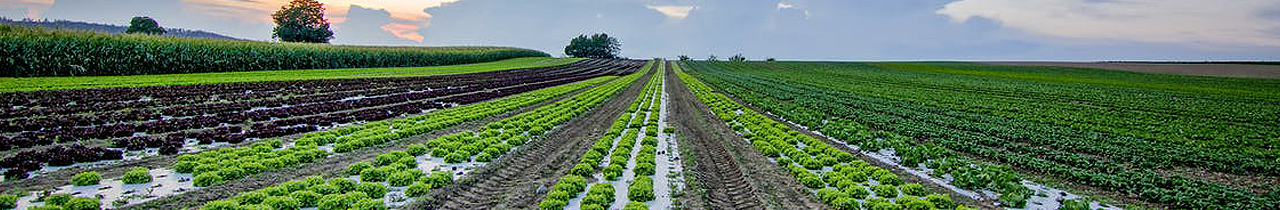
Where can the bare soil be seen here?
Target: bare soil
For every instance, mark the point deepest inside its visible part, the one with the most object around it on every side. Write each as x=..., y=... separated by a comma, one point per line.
x=1216, y=70
x=728, y=173
x=520, y=179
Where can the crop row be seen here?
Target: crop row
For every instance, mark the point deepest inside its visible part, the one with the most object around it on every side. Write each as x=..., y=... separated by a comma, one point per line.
x=30, y=160
x=61, y=129
x=851, y=118
x=47, y=52
x=617, y=143
x=390, y=171
x=226, y=163
x=840, y=180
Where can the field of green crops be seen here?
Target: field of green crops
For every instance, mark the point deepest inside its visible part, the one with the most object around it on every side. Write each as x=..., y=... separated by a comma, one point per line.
x=85, y=82
x=33, y=52
x=1182, y=142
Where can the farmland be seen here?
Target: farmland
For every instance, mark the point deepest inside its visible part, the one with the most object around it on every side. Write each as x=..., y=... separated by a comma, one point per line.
x=1110, y=133
x=540, y=133
x=159, y=122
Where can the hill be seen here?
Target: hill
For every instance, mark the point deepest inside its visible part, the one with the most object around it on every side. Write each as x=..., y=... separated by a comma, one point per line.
x=87, y=26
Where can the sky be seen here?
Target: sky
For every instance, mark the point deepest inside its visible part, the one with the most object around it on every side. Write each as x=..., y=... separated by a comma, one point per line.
x=758, y=29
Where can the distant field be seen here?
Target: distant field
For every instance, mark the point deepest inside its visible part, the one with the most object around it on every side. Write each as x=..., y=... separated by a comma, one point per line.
x=61, y=83
x=1181, y=142
x=1260, y=70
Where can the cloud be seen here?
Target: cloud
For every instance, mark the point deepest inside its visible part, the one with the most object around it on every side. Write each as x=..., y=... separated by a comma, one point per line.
x=671, y=11
x=31, y=8
x=404, y=31
x=409, y=16
x=785, y=5
x=1237, y=22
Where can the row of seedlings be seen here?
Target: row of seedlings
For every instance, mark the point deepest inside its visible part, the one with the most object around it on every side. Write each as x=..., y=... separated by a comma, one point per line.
x=395, y=178
x=835, y=177
x=619, y=143
x=224, y=164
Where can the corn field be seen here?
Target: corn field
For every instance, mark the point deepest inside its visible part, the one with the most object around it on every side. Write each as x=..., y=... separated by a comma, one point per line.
x=32, y=52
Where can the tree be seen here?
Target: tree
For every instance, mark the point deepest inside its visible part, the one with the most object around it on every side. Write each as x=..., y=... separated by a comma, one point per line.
x=144, y=25
x=595, y=46
x=684, y=58
x=301, y=21
x=738, y=58
x=711, y=58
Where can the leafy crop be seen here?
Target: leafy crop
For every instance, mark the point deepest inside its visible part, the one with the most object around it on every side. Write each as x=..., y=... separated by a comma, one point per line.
x=86, y=179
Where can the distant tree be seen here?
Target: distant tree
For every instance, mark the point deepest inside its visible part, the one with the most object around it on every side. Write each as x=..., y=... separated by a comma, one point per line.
x=144, y=25
x=711, y=58
x=301, y=21
x=738, y=58
x=770, y=59
x=684, y=58
x=596, y=46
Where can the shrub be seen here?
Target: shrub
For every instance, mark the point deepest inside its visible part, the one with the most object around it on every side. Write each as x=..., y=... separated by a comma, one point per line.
x=57, y=199
x=281, y=203
x=86, y=179
x=8, y=201
x=252, y=197
x=221, y=205
x=913, y=189
x=82, y=203
x=373, y=190
x=206, y=179
x=137, y=175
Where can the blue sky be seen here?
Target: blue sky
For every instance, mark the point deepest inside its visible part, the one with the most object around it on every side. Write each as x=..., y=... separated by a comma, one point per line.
x=788, y=29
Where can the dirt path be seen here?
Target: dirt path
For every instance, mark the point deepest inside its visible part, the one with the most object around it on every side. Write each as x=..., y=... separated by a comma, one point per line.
x=1216, y=70
x=327, y=167
x=730, y=173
